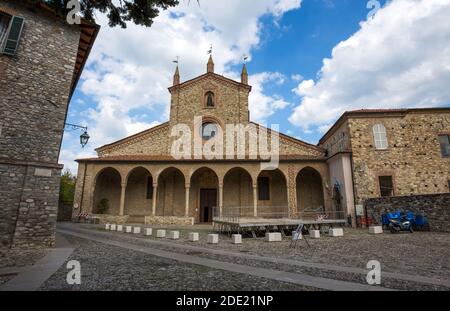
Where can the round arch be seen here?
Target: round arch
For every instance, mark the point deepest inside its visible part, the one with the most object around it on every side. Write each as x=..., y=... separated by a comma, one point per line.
x=171, y=192
x=272, y=194
x=139, y=192
x=309, y=191
x=238, y=192
x=204, y=194
x=107, y=191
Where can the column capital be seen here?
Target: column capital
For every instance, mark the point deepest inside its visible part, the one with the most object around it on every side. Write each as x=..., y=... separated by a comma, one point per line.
x=124, y=184
x=187, y=185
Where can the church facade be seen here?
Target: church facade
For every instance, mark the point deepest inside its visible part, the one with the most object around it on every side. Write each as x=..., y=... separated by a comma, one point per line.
x=151, y=177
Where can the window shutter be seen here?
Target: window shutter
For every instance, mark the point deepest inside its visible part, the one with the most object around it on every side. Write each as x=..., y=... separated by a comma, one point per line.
x=12, y=40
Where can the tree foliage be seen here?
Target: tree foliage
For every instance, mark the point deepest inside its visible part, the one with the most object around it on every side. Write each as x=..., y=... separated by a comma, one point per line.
x=67, y=187
x=102, y=206
x=140, y=12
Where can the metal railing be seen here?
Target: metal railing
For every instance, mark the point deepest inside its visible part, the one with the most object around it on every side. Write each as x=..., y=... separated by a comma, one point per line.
x=319, y=215
x=236, y=213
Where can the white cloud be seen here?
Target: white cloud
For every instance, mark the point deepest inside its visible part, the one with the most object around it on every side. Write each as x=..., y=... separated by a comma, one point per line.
x=130, y=69
x=400, y=58
x=262, y=106
x=303, y=87
x=297, y=77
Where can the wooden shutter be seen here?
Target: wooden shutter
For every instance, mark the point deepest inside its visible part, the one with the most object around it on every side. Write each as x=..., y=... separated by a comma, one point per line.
x=13, y=37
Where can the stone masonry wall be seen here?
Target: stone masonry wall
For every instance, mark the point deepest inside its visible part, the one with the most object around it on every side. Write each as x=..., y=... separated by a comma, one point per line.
x=413, y=157
x=34, y=91
x=435, y=206
x=231, y=107
x=35, y=86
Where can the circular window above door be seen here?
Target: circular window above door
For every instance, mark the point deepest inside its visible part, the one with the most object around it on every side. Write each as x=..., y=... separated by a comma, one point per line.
x=209, y=130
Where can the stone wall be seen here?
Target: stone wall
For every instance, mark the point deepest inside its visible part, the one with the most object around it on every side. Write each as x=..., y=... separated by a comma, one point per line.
x=111, y=219
x=34, y=87
x=29, y=204
x=435, y=206
x=231, y=107
x=168, y=220
x=413, y=157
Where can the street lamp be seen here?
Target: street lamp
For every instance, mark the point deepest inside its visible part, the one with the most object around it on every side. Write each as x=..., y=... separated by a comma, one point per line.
x=84, y=138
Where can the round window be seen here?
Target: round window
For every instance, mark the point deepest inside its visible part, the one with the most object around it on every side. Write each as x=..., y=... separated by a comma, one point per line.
x=209, y=130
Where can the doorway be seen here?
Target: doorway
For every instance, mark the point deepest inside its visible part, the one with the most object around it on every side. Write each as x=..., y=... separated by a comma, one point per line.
x=208, y=200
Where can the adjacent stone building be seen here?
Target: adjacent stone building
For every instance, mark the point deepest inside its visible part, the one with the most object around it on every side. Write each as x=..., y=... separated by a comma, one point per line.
x=389, y=152
x=41, y=59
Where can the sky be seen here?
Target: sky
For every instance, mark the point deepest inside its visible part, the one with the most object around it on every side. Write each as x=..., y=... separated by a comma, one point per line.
x=308, y=62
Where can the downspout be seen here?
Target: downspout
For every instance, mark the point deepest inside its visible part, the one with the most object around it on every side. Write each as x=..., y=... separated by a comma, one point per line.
x=354, y=188
x=82, y=187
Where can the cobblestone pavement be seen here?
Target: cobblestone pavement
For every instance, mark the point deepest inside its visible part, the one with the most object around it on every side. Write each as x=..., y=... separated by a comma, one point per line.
x=106, y=267
x=421, y=253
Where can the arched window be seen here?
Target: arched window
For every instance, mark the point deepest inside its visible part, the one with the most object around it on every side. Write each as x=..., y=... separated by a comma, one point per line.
x=209, y=99
x=380, y=137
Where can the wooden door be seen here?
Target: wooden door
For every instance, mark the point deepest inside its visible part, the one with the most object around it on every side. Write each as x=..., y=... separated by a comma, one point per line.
x=208, y=200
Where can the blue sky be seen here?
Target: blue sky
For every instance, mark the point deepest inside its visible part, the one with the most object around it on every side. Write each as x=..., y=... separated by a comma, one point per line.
x=310, y=60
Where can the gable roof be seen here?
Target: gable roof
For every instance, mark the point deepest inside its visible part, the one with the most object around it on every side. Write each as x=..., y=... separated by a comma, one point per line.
x=292, y=139
x=137, y=135
x=147, y=158
x=373, y=113
x=166, y=124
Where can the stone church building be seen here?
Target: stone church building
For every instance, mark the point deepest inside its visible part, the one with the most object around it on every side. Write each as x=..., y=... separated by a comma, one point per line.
x=365, y=154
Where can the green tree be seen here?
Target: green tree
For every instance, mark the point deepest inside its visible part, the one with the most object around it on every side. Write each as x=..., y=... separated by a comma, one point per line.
x=67, y=187
x=103, y=206
x=140, y=12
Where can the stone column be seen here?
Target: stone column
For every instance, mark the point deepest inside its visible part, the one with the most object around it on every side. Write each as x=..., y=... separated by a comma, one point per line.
x=186, y=208
x=155, y=190
x=255, y=200
x=220, y=200
x=122, y=199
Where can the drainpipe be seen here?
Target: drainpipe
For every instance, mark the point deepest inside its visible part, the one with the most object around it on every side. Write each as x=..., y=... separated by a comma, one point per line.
x=353, y=184
x=82, y=188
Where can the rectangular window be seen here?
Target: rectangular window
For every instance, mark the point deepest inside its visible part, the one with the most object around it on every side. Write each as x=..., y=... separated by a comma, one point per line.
x=380, y=137
x=386, y=186
x=444, y=140
x=263, y=188
x=149, y=187
x=4, y=25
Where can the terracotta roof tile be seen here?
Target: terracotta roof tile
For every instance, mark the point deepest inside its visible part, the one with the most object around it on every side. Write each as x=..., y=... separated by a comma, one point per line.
x=149, y=158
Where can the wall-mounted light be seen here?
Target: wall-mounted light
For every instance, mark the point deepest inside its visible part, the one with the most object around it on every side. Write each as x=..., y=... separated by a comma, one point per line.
x=84, y=138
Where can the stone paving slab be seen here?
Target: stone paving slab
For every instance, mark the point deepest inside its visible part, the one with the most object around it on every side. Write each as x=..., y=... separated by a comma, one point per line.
x=295, y=278
x=30, y=278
